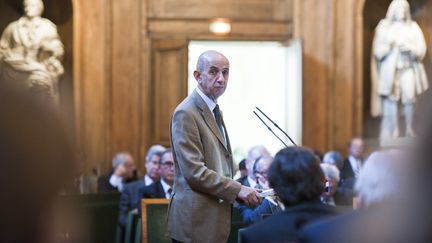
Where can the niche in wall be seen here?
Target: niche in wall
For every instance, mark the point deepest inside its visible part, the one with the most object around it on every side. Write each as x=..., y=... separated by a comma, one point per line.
x=373, y=12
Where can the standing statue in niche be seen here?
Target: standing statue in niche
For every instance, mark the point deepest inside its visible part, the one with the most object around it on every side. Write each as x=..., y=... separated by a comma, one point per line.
x=30, y=53
x=398, y=75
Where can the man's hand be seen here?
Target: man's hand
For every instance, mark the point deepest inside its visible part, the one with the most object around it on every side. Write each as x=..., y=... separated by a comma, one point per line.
x=249, y=196
x=120, y=170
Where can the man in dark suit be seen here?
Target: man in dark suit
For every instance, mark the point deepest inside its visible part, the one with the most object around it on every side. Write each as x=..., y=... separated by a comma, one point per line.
x=352, y=165
x=350, y=171
x=163, y=187
x=200, y=209
x=253, y=154
x=268, y=206
x=129, y=198
x=123, y=171
x=298, y=181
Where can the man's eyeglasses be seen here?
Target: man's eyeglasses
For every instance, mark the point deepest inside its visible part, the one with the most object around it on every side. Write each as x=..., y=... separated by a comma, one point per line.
x=168, y=164
x=262, y=173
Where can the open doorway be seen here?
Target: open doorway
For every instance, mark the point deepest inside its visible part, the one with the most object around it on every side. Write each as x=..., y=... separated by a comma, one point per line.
x=266, y=74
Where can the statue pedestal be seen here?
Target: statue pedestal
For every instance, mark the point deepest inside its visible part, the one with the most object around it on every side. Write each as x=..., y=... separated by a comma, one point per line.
x=374, y=144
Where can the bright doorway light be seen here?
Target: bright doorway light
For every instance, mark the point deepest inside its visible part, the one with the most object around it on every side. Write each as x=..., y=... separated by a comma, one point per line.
x=263, y=74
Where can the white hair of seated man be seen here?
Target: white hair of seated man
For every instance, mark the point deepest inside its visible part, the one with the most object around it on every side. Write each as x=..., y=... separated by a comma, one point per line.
x=330, y=171
x=383, y=176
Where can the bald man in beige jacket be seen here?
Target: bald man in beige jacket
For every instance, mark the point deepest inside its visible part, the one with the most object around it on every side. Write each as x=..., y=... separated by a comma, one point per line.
x=200, y=209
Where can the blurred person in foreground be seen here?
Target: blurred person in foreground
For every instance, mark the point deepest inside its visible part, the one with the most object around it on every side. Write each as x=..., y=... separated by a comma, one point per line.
x=381, y=191
x=36, y=160
x=298, y=181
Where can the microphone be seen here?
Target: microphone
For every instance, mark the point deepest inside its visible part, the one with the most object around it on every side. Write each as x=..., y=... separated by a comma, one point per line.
x=276, y=125
x=270, y=129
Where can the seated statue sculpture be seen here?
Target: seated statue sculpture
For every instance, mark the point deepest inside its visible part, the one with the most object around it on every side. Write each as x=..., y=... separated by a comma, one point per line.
x=31, y=52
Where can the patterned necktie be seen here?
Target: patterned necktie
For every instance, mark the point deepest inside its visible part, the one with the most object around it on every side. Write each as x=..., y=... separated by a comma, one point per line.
x=218, y=118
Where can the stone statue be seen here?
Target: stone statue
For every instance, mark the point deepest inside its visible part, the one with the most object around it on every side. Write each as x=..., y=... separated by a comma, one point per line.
x=398, y=75
x=30, y=53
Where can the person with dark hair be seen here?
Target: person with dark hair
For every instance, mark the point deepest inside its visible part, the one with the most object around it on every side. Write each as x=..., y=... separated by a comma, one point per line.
x=243, y=170
x=298, y=181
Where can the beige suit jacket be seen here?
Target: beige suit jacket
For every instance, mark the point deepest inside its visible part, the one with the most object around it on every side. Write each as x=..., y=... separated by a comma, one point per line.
x=200, y=209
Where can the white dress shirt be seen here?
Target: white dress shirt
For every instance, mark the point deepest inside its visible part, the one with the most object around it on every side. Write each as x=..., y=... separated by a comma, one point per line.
x=211, y=105
x=252, y=182
x=355, y=165
x=117, y=182
x=148, y=180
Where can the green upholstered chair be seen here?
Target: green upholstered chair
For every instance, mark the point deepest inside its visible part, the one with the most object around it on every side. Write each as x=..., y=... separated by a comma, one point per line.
x=236, y=224
x=154, y=221
x=131, y=225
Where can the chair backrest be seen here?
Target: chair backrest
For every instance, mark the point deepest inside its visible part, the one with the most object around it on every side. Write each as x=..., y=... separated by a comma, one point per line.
x=154, y=220
x=236, y=225
x=99, y=213
x=131, y=224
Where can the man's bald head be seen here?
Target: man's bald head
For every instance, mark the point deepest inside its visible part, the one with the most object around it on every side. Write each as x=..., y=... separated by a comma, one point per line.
x=212, y=74
x=205, y=58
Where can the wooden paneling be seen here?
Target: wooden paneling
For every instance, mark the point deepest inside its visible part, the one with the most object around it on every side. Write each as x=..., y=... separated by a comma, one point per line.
x=125, y=77
x=198, y=28
x=265, y=10
x=130, y=70
x=170, y=84
x=314, y=25
x=332, y=84
x=90, y=84
x=343, y=88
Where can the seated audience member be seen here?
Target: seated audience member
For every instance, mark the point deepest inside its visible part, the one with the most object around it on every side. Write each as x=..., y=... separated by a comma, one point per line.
x=253, y=154
x=163, y=187
x=333, y=158
x=123, y=169
x=353, y=164
x=152, y=164
x=242, y=169
x=269, y=205
x=380, y=189
x=129, y=198
x=331, y=174
x=298, y=181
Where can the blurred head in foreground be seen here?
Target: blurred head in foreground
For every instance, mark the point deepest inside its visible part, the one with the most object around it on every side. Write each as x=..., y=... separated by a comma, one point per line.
x=296, y=176
x=36, y=159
